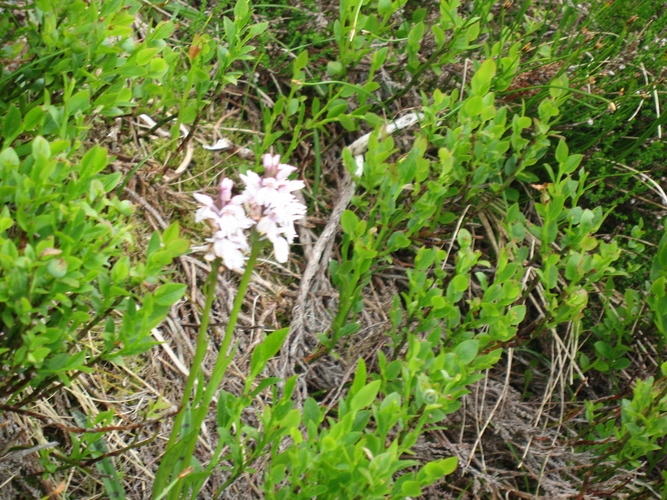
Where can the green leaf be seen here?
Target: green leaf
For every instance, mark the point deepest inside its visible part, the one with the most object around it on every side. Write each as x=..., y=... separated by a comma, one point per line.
x=347, y=122
x=460, y=282
x=57, y=267
x=415, y=35
x=473, y=106
x=573, y=267
x=467, y=350
x=562, y=151
x=411, y=489
x=5, y=222
x=41, y=149
x=111, y=181
x=154, y=244
x=437, y=469
x=163, y=30
x=345, y=331
x=230, y=30
x=171, y=233
x=187, y=114
x=464, y=238
x=241, y=9
x=385, y=7
x=365, y=396
x=121, y=269
x=359, y=377
x=549, y=233
x=12, y=125
x=33, y=118
x=481, y=81
x=397, y=241
x=659, y=287
x=79, y=102
x=169, y=293
x=621, y=364
x=265, y=351
x=570, y=164
x=144, y=56
x=178, y=247
x=9, y=158
x=604, y=349
x=311, y=412
x=516, y=314
x=300, y=62
x=550, y=273
x=362, y=251
x=335, y=68
x=348, y=222
x=546, y=110
x=267, y=382
x=157, y=67
x=93, y=162
x=659, y=267
x=257, y=29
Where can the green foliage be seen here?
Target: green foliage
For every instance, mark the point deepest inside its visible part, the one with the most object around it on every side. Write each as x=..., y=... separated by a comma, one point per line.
x=91, y=446
x=633, y=431
x=636, y=436
x=240, y=443
x=613, y=54
x=75, y=291
x=87, y=59
x=657, y=300
x=360, y=452
x=65, y=271
x=481, y=175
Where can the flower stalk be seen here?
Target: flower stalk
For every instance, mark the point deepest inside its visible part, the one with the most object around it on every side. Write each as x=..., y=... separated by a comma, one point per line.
x=200, y=350
x=265, y=211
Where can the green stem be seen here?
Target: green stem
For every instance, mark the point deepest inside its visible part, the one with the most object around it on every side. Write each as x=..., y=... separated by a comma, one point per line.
x=200, y=351
x=224, y=359
x=168, y=465
x=189, y=440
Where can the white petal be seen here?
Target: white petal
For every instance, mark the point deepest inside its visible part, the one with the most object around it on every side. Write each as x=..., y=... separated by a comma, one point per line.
x=234, y=260
x=284, y=171
x=205, y=213
x=226, y=186
x=270, y=161
x=204, y=199
x=293, y=185
x=221, y=144
x=281, y=249
x=230, y=253
x=268, y=228
x=251, y=180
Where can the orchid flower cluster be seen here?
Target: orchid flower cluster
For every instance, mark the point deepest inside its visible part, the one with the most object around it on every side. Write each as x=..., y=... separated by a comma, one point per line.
x=267, y=205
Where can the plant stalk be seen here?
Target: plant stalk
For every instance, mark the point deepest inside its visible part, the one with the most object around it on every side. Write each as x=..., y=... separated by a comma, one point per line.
x=189, y=440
